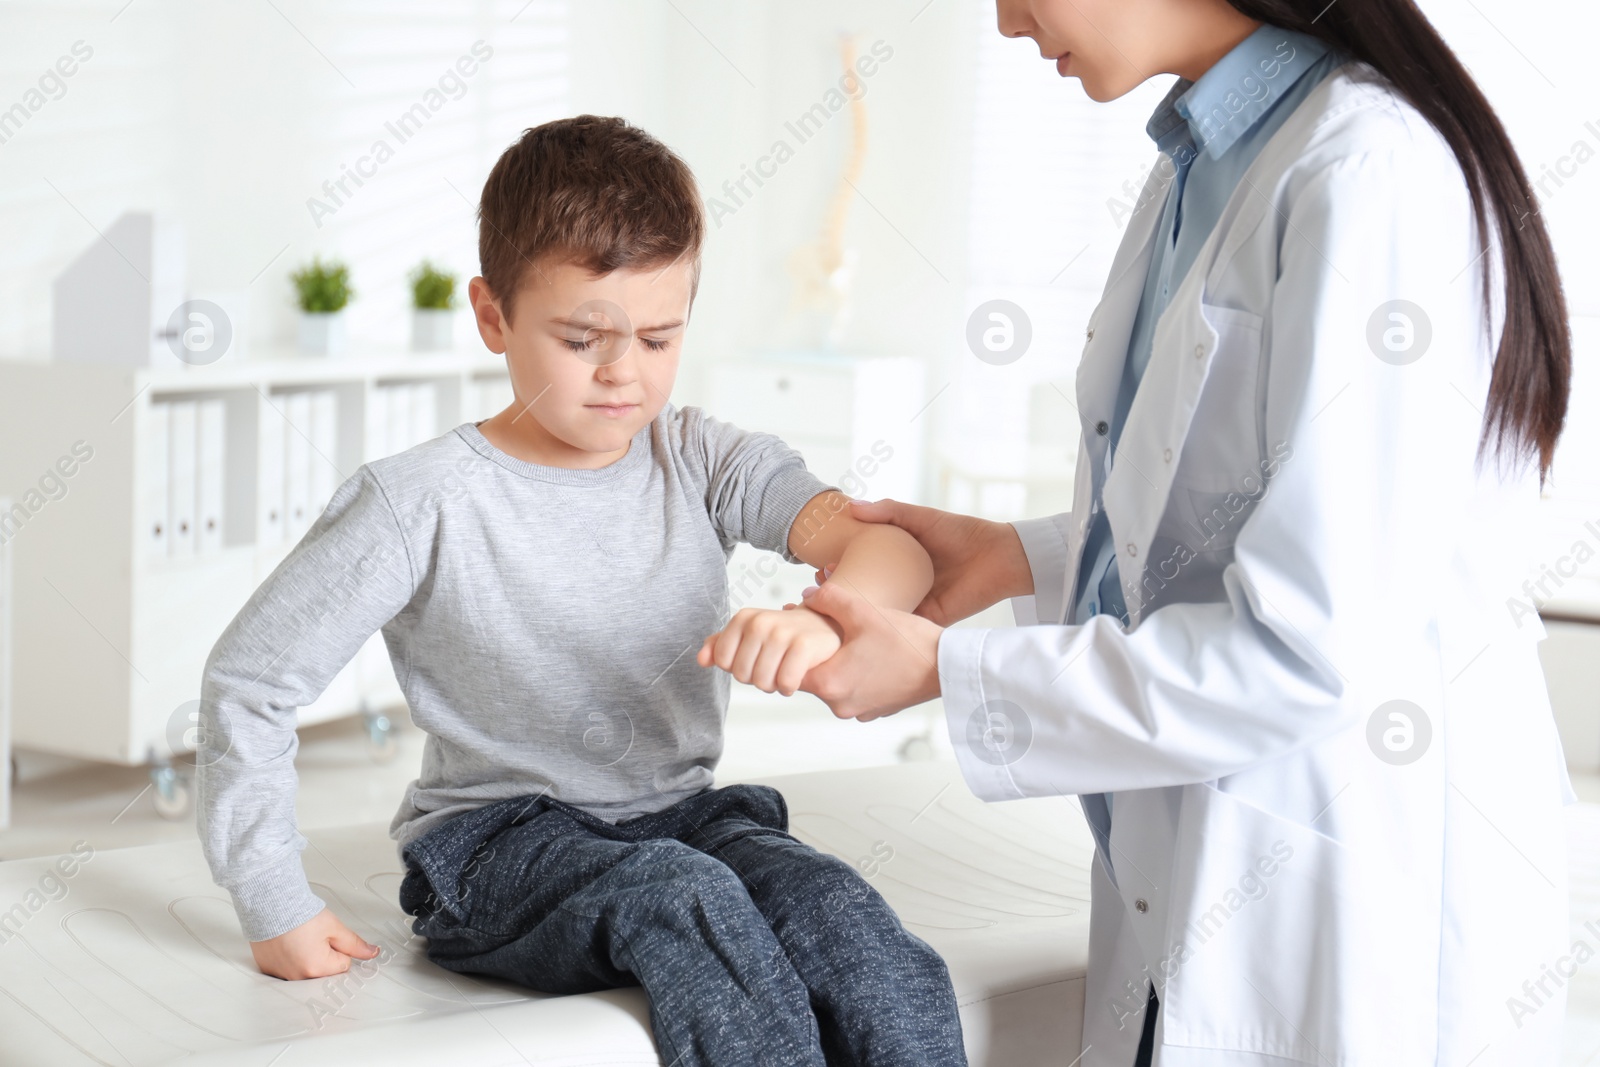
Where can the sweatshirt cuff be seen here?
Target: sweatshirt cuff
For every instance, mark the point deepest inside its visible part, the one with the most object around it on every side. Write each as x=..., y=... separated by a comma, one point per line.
x=987, y=734
x=275, y=901
x=787, y=494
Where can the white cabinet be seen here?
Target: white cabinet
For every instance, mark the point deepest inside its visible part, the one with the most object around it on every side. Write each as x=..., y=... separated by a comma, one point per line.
x=1569, y=654
x=856, y=420
x=114, y=618
x=5, y=673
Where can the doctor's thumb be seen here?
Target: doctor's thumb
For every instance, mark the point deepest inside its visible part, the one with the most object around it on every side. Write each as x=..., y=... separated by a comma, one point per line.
x=915, y=519
x=836, y=602
x=873, y=510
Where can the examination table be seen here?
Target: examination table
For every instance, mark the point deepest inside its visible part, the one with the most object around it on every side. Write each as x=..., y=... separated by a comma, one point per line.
x=142, y=962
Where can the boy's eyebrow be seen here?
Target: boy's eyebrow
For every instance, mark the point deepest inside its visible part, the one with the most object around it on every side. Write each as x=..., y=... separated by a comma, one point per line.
x=581, y=325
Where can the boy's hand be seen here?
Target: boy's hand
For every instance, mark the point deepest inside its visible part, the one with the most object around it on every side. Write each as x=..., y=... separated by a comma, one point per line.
x=771, y=650
x=314, y=949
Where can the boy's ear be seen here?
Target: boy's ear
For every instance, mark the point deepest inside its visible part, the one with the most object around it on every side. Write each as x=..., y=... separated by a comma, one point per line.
x=492, y=326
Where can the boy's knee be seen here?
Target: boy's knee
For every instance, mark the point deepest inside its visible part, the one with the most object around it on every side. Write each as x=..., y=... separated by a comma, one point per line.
x=684, y=873
x=829, y=883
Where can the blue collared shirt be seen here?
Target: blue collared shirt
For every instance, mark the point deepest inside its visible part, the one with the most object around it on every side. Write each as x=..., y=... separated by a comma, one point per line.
x=1209, y=131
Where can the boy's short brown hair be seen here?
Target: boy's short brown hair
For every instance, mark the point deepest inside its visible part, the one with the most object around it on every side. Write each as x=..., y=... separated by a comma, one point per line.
x=590, y=190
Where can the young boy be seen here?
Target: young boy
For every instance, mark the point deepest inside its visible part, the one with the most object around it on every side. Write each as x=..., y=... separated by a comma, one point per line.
x=545, y=580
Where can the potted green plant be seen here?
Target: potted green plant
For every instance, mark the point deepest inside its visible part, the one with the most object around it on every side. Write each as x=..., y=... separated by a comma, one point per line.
x=322, y=291
x=433, y=301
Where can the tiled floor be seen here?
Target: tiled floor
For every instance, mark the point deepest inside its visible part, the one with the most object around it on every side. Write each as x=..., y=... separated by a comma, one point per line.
x=59, y=802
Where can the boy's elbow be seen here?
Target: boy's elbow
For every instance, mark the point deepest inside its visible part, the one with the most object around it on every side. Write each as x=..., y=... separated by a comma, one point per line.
x=907, y=548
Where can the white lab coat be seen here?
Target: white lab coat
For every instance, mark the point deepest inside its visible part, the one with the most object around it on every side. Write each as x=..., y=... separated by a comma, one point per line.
x=1295, y=898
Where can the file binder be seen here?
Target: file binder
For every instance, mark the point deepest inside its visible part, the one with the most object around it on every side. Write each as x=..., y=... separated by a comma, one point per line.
x=157, y=478
x=270, y=523
x=424, y=409
x=297, y=463
x=377, y=429
x=399, y=418
x=181, y=539
x=324, y=474
x=210, y=473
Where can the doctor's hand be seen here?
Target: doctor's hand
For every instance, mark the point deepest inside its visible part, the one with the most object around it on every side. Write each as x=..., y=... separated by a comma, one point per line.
x=976, y=562
x=314, y=949
x=889, y=661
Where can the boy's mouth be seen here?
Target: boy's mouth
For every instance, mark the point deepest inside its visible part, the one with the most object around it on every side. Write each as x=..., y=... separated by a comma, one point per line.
x=615, y=411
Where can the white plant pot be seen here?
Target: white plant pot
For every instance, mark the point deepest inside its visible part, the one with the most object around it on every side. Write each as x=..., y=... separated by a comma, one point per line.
x=432, y=329
x=322, y=333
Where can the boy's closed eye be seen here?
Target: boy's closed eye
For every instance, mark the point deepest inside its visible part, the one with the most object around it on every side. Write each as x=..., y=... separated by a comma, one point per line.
x=585, y=344
x=607, y=326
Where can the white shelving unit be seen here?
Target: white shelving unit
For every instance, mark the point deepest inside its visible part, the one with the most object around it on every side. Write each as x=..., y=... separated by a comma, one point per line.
x=110, y=638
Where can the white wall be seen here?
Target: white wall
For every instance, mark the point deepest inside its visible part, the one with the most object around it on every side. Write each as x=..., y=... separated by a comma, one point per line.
x=719, y=82
x=231, y=116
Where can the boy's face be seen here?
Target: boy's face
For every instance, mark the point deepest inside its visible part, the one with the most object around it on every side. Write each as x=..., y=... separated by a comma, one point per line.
x=592, y=357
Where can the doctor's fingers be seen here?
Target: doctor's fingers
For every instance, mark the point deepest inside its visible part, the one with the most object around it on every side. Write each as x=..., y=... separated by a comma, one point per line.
x=796, y=665
x=833, y=681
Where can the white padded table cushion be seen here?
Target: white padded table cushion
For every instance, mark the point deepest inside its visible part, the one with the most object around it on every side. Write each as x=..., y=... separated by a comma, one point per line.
x=141, y=961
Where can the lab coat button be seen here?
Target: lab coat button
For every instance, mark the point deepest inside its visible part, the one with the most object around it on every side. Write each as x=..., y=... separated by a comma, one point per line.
x=1142, y=905
x=1089, y=334
x=1167, y=455
x=1101, y=428
x=1133, y=549
x=1199, y=351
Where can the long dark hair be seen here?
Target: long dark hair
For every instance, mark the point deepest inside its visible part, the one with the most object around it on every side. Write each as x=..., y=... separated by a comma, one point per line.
x=1527, y=401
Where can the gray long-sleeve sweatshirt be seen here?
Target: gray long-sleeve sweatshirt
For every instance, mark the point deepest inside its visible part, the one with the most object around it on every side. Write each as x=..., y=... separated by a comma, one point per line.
x=542, y=623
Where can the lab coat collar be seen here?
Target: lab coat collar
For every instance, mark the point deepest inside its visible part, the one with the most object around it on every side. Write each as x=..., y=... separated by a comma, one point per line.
x=1211, y=114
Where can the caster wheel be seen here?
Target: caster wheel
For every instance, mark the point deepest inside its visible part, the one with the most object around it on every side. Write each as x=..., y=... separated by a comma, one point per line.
x=382, y=744
x=172, y=796
x=916, y=750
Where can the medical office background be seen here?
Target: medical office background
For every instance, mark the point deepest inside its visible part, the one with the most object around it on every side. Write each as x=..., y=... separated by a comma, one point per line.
x=857, y=241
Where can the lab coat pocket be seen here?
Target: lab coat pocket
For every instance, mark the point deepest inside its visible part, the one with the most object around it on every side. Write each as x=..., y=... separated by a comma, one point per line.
x=1270, y=951
x=1223, y=450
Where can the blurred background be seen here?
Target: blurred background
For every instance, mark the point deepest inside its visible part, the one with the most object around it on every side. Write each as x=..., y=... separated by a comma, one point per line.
x=913, y=248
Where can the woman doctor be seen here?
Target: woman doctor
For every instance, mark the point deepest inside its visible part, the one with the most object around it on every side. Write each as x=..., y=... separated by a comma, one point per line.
x=1271, y=645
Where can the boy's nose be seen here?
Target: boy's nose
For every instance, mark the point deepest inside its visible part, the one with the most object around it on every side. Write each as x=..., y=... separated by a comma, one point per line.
x=621, y=368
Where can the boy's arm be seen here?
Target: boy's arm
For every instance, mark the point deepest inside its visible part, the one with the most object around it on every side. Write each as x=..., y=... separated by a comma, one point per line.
x=882, y=563
x=348, y=576
x=773, y=650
